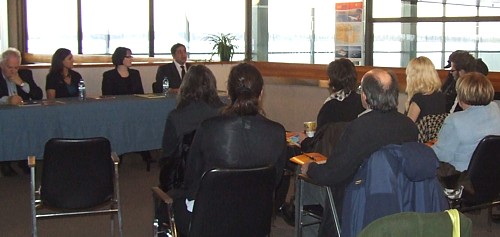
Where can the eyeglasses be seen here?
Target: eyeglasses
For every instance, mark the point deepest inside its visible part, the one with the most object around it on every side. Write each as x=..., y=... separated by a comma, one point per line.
x=359, y=90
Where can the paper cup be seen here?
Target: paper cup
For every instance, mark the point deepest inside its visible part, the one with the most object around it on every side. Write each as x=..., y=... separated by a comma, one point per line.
x=310, y=128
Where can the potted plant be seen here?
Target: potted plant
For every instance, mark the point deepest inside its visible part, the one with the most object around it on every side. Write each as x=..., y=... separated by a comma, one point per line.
x=222, y=45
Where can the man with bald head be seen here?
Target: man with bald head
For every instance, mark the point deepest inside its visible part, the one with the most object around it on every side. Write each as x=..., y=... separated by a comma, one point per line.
x=381, y=124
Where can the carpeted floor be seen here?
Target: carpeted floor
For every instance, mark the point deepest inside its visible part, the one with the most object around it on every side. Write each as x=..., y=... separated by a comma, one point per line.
x=137, y=205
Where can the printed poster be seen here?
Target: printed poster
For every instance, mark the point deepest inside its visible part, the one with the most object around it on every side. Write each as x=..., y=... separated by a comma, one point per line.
x=349, y=31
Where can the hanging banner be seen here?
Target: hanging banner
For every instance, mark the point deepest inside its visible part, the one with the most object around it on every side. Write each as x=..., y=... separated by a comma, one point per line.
x=349, y=32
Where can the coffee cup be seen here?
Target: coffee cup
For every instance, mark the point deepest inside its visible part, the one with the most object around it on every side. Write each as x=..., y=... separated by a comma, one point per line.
x=310, y=128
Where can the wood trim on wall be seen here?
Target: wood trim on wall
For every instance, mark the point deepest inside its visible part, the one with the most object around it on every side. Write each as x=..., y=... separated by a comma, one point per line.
x=268, y=69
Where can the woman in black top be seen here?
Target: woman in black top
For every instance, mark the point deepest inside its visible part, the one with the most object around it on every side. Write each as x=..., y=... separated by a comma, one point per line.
x=239, y=138
x=196, y=101
x=122, y=80
x=62, y=80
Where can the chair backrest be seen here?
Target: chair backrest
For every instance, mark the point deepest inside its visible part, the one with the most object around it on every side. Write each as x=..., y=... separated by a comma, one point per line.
x=172, y=172
x=234, y=202
x=429, y=126
x=414, y=224
x=77, y=173
x=484, y=170
x=327, y=137
x=156, y=87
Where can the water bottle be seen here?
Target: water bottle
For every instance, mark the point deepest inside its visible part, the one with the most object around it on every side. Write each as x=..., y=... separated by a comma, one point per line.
x=81, y=89
x=166, y=85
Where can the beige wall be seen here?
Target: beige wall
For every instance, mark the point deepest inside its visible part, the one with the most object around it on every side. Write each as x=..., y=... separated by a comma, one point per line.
x=287, y=101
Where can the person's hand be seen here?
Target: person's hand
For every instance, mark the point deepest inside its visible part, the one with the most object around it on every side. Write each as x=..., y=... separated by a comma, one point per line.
x=15, y=100
x=173, y=91
x=16, y=79
x=305, y=167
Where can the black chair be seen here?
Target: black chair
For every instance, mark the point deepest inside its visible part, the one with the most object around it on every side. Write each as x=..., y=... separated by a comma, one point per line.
x=414, y=224
x=172, y=171
x=79, y=177
x=484, y=175
x=156, y=88
x=314, y=211
x=230, y=202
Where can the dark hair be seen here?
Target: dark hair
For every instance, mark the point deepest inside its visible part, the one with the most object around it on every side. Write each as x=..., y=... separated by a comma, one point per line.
x=463, y=60
x=175, y=47
x=56, y=64
x=199, y=84
x=120, y=54
x=244, y=86
x=342, y=74
x=379, y=96
x=482, y=67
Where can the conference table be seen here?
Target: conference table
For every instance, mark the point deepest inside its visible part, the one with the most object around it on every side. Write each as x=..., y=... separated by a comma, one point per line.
x=130, y=122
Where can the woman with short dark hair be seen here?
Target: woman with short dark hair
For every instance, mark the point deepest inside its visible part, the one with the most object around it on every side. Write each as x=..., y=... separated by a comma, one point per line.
x=122, y=80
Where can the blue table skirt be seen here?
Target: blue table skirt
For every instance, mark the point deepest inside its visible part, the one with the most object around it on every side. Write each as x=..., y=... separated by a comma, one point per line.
x=131, y=124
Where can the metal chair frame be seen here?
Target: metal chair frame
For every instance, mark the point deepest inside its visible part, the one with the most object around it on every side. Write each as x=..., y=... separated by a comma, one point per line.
x=160, y=195
x=300, y=212
x=112, y=210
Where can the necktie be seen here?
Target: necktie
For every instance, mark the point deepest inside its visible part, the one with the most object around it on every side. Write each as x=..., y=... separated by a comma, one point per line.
x=183, y=72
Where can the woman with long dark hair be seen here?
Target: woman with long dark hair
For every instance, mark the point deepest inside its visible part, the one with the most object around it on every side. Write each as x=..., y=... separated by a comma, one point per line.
x=239, y=138
x=62, y=80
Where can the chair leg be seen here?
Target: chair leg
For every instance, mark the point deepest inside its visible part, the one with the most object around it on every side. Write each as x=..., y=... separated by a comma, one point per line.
x=298, y=207
x=334, y=210
x=33, y=197
x=146, y=156
x=490, y=215
x=112, y=217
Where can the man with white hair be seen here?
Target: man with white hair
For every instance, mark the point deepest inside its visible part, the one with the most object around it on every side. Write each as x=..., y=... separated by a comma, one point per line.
x=16, y=85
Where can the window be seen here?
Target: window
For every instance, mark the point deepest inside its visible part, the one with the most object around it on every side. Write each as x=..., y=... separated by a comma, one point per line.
x=402, y=31
x=51, y=28
x=115, y=23
x=282, y=30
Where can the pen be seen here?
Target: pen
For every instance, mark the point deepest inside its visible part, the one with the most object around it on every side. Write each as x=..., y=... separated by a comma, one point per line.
x=310, y=157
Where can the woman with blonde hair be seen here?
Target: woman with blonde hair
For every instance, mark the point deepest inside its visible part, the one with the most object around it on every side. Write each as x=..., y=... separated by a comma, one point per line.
x=423, y=89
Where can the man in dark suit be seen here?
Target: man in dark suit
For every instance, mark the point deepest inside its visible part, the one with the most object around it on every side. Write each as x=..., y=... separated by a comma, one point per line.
x=381, y=124
x=16, y=86
x=174, y=71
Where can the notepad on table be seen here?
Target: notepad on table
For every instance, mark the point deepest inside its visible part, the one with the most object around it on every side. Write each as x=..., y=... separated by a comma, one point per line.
x=150, y=96
x=306, y=157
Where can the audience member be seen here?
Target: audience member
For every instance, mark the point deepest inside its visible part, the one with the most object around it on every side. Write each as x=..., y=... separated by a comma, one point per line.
x=174, y=71
x=16, y=85
x=462, y=131
x=381, y=124
x=459, y=62
x=62, y=80
x=122, y=80
x=423, y=89
x=481, y=67
x=239, y=138
x=343, y=104
x=197, y=100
